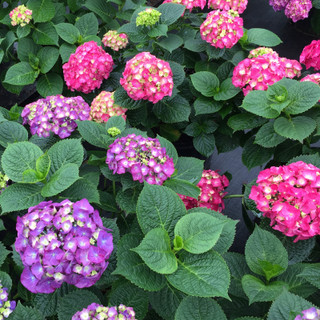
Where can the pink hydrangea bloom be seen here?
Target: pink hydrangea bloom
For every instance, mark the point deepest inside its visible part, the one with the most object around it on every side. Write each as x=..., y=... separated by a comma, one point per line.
x=20, y=15
x=236, y=5
x=278, y=4
x=290, y=196
x=103, y=108
x=212, y=187
x=190, y=4
x=222, y=29
x=263, y=68
x=315, y=77
x=87, y=67
x=115, y=40
x=309, y=314
x=310, y=55
x=298, y=9
x=146, y=77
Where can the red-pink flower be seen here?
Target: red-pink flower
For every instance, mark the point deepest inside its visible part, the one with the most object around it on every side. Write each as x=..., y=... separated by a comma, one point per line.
x=315, y=77
x=190, y=4
x=146, y=77
x=222, y=29
x=212, y=187
x=310, y=55
x=87, y=67
x=236, y=5
x=115, y=40
x=290, y=197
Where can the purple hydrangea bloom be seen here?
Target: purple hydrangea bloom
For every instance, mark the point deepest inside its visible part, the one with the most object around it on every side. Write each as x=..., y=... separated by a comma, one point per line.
x=309, y=314
x=6, y=306
x=143, y=158
x=278, y=4
x=298, y=9
x=62, y=242
x=55, y=114
x=98, y=312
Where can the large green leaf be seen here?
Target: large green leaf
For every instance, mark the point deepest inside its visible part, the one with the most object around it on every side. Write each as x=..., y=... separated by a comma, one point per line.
x=171, y=42
x=3, y=253
x=263, y=37
x=205, y=82
x=183, y=187
x=42, y=10
x=311, y=273
x=101, y=8
x=245, y=121
x=50, y=84
x=203, y=105
x=170, y=12
x=45, y=34
x=87, y=24
x=22, y=312
x=226, y=91
x=68, y=32
x=189, y=169
x=21, y=73
x=205, y=144
x=48, y=56
x=267, y=137
x=11, y=132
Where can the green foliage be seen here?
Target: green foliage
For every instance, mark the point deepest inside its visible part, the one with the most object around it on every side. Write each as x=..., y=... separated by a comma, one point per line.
x=11, y=132
x=183, y=187
x=263, y=37
x=170, y=12
x=42, y=10
x=68, y=32
x=267, y=137
x=22, y=312
x=311, y=273
x=3, y=253
x=205, y=82
x=21, y=74
x=189, y=169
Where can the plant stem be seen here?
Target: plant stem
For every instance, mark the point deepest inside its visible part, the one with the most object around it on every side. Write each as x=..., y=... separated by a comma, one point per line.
x=233, y=196
x=114, y=188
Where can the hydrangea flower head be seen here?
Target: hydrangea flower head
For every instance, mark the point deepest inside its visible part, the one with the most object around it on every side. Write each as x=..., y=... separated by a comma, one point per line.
x=103, y=108
x=314, y=77
x=290, y=196
x=226, y=5
x=278, y=4
x=55, y=114
x=146, y=77
x=143, y=158
x=309, y=314
x=212, y=187
x=3, y=181
x=20, y=15
x=190, y=4
x=87, y=67
x=148, y=17
x=222, y=29
x=310, y=55
x=6, y=306
x=115, y=40
x=97, y=311
x=114, y=131
x=62, y=242
x=298, y=9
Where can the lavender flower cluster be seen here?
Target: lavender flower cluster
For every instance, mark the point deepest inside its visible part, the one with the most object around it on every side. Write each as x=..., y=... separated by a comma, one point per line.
x=98, y=312
x=309, y=314
x=6, y=306
x=55, y=114
x=62, y=242
x=144, y=158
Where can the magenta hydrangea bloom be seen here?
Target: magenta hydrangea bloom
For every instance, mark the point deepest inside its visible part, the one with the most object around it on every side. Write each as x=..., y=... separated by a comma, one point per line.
x=278, y=4
x=310, y=55
x=298, y=9
x=190, y=4
x=146, y=77
x=6, y=306
x=143, y=158
x=55, y=114
x=226, y=5
x=290, y=196
x=115, y=40
x=309, y=314
x=62, y=242
x=87, y=67
x=222, y=29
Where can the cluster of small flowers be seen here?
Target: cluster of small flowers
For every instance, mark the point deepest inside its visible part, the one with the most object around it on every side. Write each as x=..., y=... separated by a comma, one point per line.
x=6, y=306
x=96, y=311
x=263, y=68
x=20, y=15
x=315, y=77
x=144, y=158
x=309, y=314
x=87, y=67
x=190, y=4
x=148, y=17
x=115, y=40
x=310, y=55
x=55, y=114
x=3, y=181
x=293, y=9
x=212, y=187
x=290, y=197
x=62, y=242
x=103, y=108
x=222, y=29
x=146, y=77
x=236, y=5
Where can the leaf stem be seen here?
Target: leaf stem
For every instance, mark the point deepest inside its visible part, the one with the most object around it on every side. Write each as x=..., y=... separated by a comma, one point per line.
x=233, y=196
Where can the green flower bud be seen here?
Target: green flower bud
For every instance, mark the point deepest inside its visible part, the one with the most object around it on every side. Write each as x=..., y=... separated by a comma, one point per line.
x=148, y=17
x=114, y=131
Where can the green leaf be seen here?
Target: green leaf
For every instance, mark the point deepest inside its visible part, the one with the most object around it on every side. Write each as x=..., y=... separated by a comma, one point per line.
x=127, y=200
x=47, y=303
x=171, y=42
x=45, y=34
x=68, y=32
x=195, y=45
x=116, y=121
x=204, y=144
x=170, y=149
x=50, y=84
x=297, y=128
x=42, y=10
x=121, y=98
x=226, y=91
x=29, y=313
x=170, y=12
x=2, y=227
x=245, y=121
x=214, y=53
x=20, y=196
x=205, y=82
x=23, y=31
x=263, y=37
x=155, y=250
x=178, y=74
x=158, y=31
x=21, y=73
x=66, y=50
x=19, y=157
x=3, y=253
x=199, y=231
x=159, y=207
x=43, y=165
x=25, y=47
x=189, y=169
x=194, y=308
x=267, y=137
x=102, y=8
x=203, y=105
x=131, y=266
x=183, y=187
x=107, y=202
x=87, y=24
x=265, y=254
x=5, y=280
x=311, y=273
x=48, y=57
x=201, y=275
x=11, y=132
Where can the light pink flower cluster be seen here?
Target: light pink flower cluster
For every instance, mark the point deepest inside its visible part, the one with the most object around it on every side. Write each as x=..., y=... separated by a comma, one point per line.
x=315, y=77
x=103, y=108
x=222, y=29
x=290, y=196
x=236, y=5
x=146, y=77
x=310, y=55
x=115, y=40
x=263, y=68
x=20, y=15
x=293, y=9
x=212, y=187
x=190, y=4
x=87, y=67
